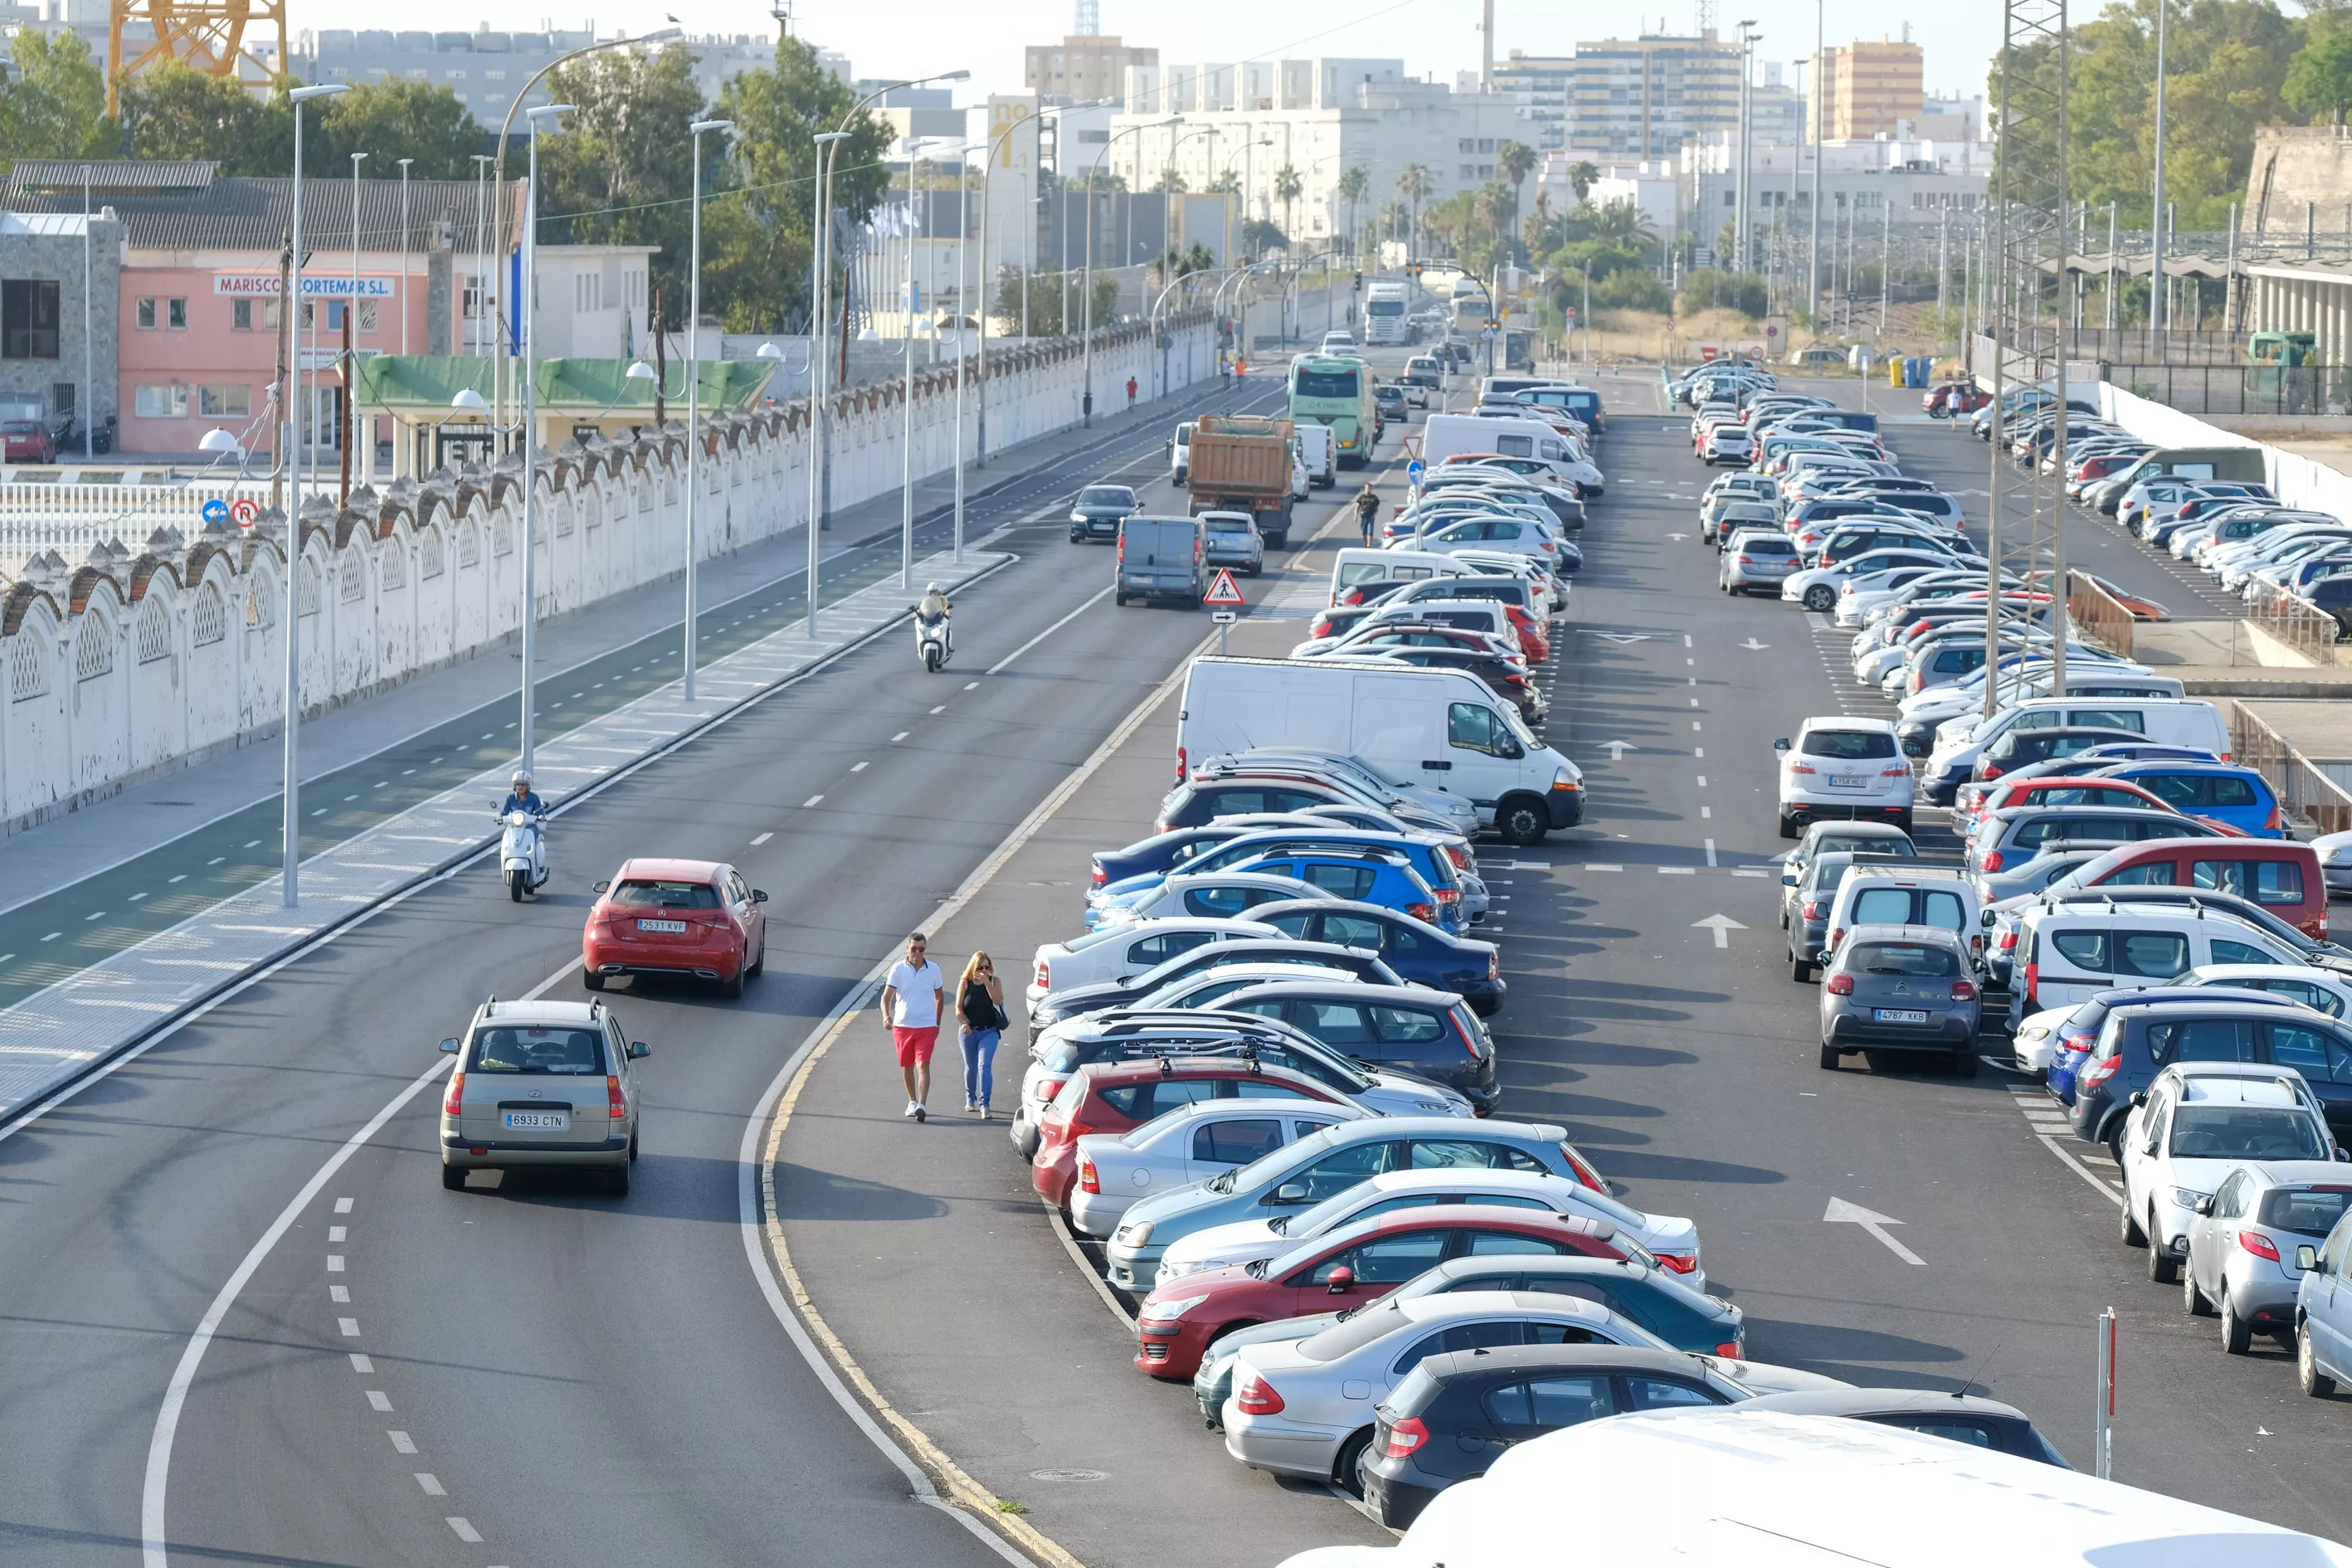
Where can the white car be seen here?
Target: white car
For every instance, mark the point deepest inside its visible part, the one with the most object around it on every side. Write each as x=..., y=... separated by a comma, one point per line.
x=1495, y=533
x=1859, y=595
x=2036, y=1038
x=1116, y=953
x=1674, y=1240
x=1187, y=1146
x=1817, y=587
x=1304, y=1408
x=1209, y=893
x=1843, y=767
x=2194, y=1125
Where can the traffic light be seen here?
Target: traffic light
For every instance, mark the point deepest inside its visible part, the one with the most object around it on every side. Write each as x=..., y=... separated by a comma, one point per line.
x=1359, y=277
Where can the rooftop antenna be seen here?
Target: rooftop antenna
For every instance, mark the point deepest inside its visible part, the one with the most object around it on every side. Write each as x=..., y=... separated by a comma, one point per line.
x=1977, y=1375
x=782, y=10
x=1702, y=17
x=1085, y=18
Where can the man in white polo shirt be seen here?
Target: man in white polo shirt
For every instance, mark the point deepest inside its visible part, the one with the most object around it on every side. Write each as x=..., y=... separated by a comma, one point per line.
x=913, y=994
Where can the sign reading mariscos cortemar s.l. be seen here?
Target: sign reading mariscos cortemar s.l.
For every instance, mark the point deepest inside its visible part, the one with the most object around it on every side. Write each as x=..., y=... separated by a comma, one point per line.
x=315, y=286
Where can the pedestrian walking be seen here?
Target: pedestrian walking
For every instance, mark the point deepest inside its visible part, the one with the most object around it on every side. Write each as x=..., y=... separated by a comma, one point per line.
x=1130, y=395
x=980, y=1003
x=1367, y=512
x=913, y=994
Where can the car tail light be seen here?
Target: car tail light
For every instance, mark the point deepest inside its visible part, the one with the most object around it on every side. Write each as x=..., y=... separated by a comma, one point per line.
x=1405, y=1437
x=1183, y=765
x=1467, y=1043
x=1459, y=854
x=2261, y=1246
x=1257, y=1397
x=1802, y=768
x=1423, y=913
x=2009, y=940
x=1099, y=877
x=1494, y=966
x=455, y=1104
x=1747, y=560
x=1678, y=1262
x=2096, y=1072
x=1087, y=1181
x=616, y=1106
x=1073, y=1129
x=1813, y=909
x=1122, y=557
x=1198, y=544
x=1963, y=991
x=1992, y=860
x=2271, y=824
x=1447, y=895
x=1045, y=976
x=1841, y=985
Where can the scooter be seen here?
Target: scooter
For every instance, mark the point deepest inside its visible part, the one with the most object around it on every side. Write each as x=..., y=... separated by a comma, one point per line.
x=933, y=642
x=522, y=854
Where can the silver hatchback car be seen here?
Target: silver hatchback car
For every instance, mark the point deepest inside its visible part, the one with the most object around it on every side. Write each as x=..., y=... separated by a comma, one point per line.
x=1233, y=540
x=542, y=1084
x=1756, y=558
x=1900, y=988
x=2242, y=1243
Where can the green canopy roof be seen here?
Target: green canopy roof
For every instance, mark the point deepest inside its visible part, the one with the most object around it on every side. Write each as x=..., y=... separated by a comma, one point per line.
x=425, y=382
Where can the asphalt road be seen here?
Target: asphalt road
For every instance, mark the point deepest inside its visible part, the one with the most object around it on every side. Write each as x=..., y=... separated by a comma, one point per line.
x=1687, y=1069
x=581, y=1379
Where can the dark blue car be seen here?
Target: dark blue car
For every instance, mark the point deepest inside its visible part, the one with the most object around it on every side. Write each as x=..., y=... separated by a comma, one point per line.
x=2219, y=792
x=1416, y=949
x=2140, y=1040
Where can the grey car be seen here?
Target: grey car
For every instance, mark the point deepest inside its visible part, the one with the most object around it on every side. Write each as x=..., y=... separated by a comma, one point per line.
x=1827, y=837
x=1161, y=558
x=542, y=1084
x=2032, y=875
x=1233, y=540
x=1719, y=527
x=1808, y=912
x=1900, y=988
x=1098, y=511
x=2242, y=1242
x=1756, y=558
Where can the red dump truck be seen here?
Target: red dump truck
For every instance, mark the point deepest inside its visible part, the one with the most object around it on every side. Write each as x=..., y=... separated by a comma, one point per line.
x=1243, y=462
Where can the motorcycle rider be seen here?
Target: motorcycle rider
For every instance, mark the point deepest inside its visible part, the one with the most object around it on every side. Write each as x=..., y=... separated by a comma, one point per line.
x=520, y=796
x=936, y=608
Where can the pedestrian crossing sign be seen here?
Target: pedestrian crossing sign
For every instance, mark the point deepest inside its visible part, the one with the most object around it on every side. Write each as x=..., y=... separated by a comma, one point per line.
x=1222, y=591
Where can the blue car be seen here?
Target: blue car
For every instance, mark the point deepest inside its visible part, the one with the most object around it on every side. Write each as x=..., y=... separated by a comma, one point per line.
x=1419, y=953
x=2220, y=792
x=1436, y=859
x=1367, y=876
x=2323, y=1312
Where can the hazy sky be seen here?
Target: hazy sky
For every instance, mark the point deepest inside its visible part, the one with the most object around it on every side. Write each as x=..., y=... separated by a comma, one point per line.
x=915, y=38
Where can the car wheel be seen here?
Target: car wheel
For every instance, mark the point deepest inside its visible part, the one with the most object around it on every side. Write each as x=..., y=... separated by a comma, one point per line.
x=732, y=986
x=2315, y=1383
x=633, y=1146
x=592, y=980
x=1348, y=1473
x=1787, y=826
x=1819, y=598
x=617, y=1182
x=2127, y=1229
x=2160, y=1265
x=1800, y=970
x=2192, y=1300
x=453, y=1177
x=1521, y=822
x=759, y=964
x=2236, y=1337
x=1829, y=1059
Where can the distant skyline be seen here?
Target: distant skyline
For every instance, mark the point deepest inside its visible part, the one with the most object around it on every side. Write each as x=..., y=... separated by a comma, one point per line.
x=919, y=37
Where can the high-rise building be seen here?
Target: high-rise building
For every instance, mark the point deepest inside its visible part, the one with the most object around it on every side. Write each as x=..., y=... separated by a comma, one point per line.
x=1541, y=84
x=1869, y=90
x=1083, y=68
x=1644, y=97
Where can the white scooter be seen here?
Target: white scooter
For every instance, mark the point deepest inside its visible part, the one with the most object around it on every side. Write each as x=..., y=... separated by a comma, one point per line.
x=522, y=854
x=933, y=642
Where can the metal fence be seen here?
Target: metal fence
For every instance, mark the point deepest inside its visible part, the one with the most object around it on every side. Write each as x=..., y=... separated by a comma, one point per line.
x=2307, y=794
x=2239, y=388
x=2095, y=614
x=2300, y=624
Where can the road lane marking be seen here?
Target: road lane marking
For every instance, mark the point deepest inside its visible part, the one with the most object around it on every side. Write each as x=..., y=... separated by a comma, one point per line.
x=1722, y=925
x=350, y=1326
x=811, y=801
x=401, y=1442
x=342, y=1205
x=1841, y=1212
x=378, y=1400
x=858, y=768
x=941, y=708
x=431, y=1483
x=971, y=686
x=340, y=1294
x=762, y=838
x=466, y=1531
x=1096, y=599
x=334, y=1263
x=361, y=1362
x=1710, y=851
x=900, y=736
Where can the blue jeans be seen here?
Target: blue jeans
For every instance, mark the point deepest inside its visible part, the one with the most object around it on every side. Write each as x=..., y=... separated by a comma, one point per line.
x=979, y=1065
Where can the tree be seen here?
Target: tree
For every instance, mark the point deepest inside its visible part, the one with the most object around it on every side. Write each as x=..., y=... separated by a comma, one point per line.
x=622, y=168
x=1355, y=181
x=2320, y=78
x=1415, y=184
x=1170, y=182
x=174, y=112
x=1287, y=186
x=1228, y=183
x=1258, y=236
x=1514, y=161
x=1047, y=291
x=390, y=121
x=55, y=104
x=1581, y=177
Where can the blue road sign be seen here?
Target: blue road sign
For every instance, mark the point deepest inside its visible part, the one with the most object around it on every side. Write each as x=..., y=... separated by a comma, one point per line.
x=1413, y=471
x=216, y=510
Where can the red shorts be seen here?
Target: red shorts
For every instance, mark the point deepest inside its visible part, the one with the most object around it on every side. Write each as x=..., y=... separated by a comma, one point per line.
x=914, y=1045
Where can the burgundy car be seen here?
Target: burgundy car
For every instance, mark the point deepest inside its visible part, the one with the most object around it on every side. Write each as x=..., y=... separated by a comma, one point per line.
x=697, y=919
x=27, y=441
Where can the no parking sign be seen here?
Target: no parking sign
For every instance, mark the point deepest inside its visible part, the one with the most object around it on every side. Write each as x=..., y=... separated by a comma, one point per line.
x=244, y=508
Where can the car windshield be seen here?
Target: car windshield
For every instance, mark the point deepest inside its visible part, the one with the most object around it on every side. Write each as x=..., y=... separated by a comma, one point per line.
x=1918, y=958
x=1228, y=525
x=645, y=894
x=21, y=428
x=1277, y=1161
x=528, y=1049
x=1106, y=495
x=1862, y=844
x=1347, y=1338
x=1847, y=745
x=2309, y=1210
x=2245, y=1132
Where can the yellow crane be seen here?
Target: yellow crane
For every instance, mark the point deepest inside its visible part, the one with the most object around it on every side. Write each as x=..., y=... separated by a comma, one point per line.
x=203, y=35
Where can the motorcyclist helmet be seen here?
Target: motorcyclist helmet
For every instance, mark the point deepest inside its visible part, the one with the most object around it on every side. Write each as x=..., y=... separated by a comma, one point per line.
x=521, y=781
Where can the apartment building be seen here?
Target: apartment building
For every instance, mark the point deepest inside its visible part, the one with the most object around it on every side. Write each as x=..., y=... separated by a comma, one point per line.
x=1637, y=99
x=1870, y=88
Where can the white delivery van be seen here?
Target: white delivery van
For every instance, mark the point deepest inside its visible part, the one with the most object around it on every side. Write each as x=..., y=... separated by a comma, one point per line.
x=1443, y=728
x=1444, y=436
x=1356, y=564
x=1320, y=452
x=1179, y=454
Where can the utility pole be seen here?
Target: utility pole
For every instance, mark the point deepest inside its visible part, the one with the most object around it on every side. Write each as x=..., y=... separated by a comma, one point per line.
x=1813, y=260
x=2156, y=312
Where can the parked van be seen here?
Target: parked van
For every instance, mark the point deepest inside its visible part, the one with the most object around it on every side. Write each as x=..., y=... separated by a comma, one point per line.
x=2171, y=721
x=1444, y=436
x=1161, y=558
x=1179, y=455
x=1904, y=896
x=1441, y=728
x=2068, y=953
x=2279, y=874
x=1356, y=564
x=1319, y=452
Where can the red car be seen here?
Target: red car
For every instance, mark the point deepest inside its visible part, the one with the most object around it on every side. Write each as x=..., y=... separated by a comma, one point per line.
x=1355, y=1264
x=1996, y=795
x=1119, y=1096
x=27, y=441
x=695, y=918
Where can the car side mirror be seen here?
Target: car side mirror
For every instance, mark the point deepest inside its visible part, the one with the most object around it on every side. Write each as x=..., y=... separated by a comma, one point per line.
x=2205, y=1206
x=758, y=895
x=2306, y=1257
x=1780, y=745
x=640, y=1050
x=1288, y=1193
x=602, y=888
x=2345, y=1155
x=448, y=1048
x=2138, y=1098
x=1342, y=1280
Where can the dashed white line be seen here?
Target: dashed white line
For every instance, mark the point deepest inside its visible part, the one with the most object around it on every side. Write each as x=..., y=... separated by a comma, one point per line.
x=1710, y=851
x=342, y=1205
x=900, y=736
x=378, y=1400
x=401, y=1442
x=94, y=914
x=811, y=801
x=181, y=878
x=334, y=1263
x=941, y=708
x=350, y=1326
x=361, y=1362
x=336, y=1232
x=971, y=686
x=431, y=1483
x=465, y=1531
x=1702, y=781
x=340, y=1294
x=762, y=838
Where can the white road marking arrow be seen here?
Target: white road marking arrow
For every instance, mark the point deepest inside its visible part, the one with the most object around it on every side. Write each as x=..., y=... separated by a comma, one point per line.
x=1844, y=1212
x=1622, y=638
x=1678, y=538
x=1721, y=925
x=1617, y=749
x=1752, y=645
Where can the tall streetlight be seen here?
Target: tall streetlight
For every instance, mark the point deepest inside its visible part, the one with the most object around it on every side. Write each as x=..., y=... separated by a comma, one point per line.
x=537, y=116
x=291, y=870
x=351, y=420
x=2157, y=315
x=1743, y=228
x=1087, y=301
x=1813, y=256
x=404, y=256
x=694, y=387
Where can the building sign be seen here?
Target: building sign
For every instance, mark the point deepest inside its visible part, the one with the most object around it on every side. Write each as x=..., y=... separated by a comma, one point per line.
x=315, y=286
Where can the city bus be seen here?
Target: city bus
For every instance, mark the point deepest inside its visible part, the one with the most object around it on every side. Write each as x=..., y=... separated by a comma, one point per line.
x=1384, y=314
x=1327, y=390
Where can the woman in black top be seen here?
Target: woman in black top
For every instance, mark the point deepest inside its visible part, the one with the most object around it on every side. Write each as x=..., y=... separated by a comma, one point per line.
x=980, y=1003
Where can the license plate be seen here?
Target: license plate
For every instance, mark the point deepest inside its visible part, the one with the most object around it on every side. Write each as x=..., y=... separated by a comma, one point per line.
x=1899, y=1015
x=536, y=1120
x=676, y=928
x=1859, y=783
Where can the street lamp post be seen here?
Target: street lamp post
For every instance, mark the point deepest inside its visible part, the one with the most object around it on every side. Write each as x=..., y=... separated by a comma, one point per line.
x=528, y=304
x=694, y=389
x=1813, y=250
x=402, y=305
x=2157, y=317
x=290, y=869
x=1087, y=302
x=824, y=140
x=351, y=420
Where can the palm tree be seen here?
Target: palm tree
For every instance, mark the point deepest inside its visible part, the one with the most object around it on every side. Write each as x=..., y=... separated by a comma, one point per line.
x=1287, y=188
x=1581, y=177
x=1170, y=182
x=1415, y=184
x=1514, y=161
x=1354, y=181
x=1228, y=183
x=1393, y=219
x=1535, y=233
x=1626, y=223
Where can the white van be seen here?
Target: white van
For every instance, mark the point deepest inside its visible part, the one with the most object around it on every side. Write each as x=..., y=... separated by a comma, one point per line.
x=1356, y=564
x=1771, y=1488
x=1179, y=454
x=2166, y=720
x=1440, y=728
x=1444, y=436
x=1319, y=452
x=2068, y=953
